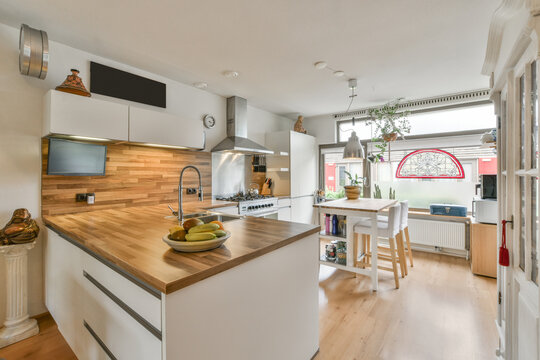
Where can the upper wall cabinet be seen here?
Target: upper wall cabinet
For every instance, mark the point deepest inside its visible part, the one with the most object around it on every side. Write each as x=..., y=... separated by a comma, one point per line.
x=153, y=127
x=68, y=114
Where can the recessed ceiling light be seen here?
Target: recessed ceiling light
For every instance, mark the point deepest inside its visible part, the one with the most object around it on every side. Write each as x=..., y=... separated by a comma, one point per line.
x=339, y=73
x=230, y=74
x=200, y=85
x=320, y=65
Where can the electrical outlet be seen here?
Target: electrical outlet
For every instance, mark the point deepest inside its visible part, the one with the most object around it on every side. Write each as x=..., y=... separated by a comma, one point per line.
x=191, y=191
x=90, y=198
x=80, y=197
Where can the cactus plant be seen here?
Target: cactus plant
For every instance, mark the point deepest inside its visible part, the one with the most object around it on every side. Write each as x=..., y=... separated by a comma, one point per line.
x=392, y=194
x=377, y=194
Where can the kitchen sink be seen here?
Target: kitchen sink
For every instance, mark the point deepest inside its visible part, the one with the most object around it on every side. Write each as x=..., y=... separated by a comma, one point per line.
x=218, y=217
x=208, y=216
x=195, y=215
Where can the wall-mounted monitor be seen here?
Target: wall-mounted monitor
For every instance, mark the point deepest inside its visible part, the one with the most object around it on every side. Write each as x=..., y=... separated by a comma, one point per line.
x=72, y=158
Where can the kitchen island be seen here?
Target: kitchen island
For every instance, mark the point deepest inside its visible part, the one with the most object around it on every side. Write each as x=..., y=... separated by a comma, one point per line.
x=117, y=290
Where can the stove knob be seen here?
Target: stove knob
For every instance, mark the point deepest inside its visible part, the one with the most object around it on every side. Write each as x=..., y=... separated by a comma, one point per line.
x=250, y=207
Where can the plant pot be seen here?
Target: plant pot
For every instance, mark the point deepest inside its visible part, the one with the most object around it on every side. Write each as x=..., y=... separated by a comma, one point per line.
x=390, y=137
x=352, y=192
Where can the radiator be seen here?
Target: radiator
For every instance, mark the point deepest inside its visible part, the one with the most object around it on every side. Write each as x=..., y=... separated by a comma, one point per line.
x=443, y=234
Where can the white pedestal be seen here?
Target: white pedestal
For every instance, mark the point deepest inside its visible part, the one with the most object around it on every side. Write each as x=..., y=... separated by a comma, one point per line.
x=18, y=325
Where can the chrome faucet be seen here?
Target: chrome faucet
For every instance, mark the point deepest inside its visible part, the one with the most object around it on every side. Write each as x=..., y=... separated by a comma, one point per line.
x=180, y=188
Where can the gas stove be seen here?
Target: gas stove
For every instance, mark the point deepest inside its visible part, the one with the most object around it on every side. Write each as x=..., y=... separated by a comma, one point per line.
x=242, y=197
x=253, y=205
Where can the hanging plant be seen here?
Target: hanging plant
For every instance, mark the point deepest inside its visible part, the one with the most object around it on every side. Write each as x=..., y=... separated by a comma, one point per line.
x=390, y=123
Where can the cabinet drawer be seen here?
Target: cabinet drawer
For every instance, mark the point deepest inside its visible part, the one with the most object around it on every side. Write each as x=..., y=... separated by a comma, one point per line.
x=145, y=304
x=118, y=331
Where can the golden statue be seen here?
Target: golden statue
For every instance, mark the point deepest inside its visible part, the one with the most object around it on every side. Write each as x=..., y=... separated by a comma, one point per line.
x=298, y=127
x=20, y=229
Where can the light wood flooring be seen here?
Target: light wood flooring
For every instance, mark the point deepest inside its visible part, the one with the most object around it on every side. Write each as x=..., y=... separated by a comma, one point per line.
x=441, y=311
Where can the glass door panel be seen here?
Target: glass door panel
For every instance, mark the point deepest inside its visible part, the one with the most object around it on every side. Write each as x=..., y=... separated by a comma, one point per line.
x=534, y=116
x=522, y=223
x=534, y=229
x=522, y=122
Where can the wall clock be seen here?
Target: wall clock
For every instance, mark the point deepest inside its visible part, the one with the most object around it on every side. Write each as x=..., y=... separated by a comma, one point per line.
x=209, y=121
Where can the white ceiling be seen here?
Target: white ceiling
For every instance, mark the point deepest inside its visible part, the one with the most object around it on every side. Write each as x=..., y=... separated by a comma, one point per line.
x=396, y=48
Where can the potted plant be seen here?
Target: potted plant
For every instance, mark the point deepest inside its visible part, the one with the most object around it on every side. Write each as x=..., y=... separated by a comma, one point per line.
x=390, y=123
x=352, y=191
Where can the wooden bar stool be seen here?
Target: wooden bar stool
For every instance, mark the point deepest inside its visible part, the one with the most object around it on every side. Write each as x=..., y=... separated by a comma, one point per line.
x=389, y=230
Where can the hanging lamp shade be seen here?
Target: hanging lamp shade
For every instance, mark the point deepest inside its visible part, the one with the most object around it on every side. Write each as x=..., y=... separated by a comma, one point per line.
x=353, y=149
x=73, y=84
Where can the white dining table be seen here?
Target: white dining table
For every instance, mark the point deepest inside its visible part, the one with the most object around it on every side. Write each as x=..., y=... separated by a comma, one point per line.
x=354, y=211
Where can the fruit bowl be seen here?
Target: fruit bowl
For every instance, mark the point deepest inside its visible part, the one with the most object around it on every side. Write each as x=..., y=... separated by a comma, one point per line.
x=196, y=246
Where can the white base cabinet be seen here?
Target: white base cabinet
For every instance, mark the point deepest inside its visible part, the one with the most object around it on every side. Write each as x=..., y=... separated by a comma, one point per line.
x=266, y=308
x=98, y=311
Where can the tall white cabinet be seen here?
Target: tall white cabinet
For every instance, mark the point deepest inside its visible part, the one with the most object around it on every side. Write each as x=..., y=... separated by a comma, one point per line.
x=293, y=168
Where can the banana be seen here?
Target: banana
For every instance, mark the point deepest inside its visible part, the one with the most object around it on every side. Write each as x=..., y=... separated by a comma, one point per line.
x=203, y=228
x=219, y=233
x=200, y=236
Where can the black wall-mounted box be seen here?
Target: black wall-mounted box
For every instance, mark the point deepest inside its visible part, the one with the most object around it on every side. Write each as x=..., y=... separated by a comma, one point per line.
x=120, y=84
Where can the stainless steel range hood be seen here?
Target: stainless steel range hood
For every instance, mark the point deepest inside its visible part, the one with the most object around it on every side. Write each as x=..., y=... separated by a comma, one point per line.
x=237, y=140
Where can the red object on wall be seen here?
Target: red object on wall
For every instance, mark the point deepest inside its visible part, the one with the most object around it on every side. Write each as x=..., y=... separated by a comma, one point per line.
x=430, y=164
x=487, y=166
x=330, y=176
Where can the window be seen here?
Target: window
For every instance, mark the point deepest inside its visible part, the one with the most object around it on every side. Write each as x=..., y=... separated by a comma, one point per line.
x=468, y=118
x=421, y=192
x=334, y=171
x=430, y=164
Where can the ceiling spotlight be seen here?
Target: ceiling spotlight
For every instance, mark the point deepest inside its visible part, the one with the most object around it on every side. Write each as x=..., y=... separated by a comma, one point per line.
x=200, y=85
x=320, y=65
x=339, y=73
x=353, y=83
x=230, y=74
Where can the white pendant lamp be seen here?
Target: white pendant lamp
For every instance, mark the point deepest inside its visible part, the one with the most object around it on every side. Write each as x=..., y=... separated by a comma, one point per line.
x=353, y=149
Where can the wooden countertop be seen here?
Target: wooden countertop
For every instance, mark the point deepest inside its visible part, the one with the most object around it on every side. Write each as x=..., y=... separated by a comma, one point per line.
x=195, y=206
x=131, y=239
x=369, y=205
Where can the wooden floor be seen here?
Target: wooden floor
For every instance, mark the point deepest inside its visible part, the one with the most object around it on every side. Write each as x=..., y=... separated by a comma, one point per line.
x=48, y=344
x=441, y=311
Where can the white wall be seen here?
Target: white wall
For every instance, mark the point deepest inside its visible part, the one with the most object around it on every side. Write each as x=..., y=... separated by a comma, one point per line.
x=323, y=127
x=20, y=129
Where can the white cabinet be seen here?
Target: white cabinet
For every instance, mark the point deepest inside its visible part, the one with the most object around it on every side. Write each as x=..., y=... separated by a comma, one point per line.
x=120, y=333
x=96, y=308
x=296, y=153
x=284, y=213
x=68, y=114
x=302, y=209
x=64, y=287
x=79, y=116
x=148, y=126
x=303, y=158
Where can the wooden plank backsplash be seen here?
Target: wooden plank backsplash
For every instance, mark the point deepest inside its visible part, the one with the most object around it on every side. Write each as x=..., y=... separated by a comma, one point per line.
x=135, y=176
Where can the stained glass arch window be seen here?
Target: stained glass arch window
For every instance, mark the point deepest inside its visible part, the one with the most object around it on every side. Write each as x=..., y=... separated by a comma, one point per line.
x=430, y=164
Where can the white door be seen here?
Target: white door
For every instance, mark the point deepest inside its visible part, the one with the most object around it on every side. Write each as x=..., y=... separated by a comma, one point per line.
x=518, y=316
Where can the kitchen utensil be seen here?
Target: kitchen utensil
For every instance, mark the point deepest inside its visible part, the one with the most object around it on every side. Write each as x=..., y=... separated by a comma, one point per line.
x=195, y=246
